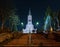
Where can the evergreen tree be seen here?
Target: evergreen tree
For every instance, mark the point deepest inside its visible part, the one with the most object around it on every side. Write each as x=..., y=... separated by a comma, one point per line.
x=14, y=21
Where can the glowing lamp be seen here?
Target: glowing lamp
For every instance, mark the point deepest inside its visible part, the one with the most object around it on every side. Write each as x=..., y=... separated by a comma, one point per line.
x=37, y=23
x=22, y=23
x=51, y=29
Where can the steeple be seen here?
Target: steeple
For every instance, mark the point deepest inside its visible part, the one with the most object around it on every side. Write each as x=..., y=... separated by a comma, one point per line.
x=29, y=11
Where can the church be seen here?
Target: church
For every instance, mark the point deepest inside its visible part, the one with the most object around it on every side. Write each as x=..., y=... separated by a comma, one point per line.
x=29, y=27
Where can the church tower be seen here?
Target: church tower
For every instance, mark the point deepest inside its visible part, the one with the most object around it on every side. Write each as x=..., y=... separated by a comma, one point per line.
x=29, y=17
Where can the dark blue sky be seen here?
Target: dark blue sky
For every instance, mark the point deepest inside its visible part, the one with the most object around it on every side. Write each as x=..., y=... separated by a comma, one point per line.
x=38, y=9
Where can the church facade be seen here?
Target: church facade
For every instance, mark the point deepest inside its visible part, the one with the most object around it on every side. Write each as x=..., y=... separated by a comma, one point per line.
x=29, y=27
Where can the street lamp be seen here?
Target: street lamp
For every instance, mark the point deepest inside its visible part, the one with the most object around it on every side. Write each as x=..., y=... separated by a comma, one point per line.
x=22, y=23
x=37, y=23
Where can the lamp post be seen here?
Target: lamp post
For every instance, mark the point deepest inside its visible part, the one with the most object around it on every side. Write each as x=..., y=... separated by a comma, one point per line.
x=22, y=23
x=37, y=24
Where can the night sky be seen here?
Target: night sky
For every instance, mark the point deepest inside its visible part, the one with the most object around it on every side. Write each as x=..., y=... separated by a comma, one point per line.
x=38, y=9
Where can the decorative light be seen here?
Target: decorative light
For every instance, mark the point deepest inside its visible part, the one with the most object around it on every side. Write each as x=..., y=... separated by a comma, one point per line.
x=22, y=23
x=51, y=29
x=37, y=23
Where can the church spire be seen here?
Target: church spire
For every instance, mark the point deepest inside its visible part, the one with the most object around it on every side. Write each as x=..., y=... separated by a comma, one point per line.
x=29, y=11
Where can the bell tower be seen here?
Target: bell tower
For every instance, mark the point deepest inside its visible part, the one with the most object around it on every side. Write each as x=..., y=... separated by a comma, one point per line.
x=29, y=17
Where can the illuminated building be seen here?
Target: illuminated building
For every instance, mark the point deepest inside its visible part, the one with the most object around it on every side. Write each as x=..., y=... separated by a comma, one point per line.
x=29, y=26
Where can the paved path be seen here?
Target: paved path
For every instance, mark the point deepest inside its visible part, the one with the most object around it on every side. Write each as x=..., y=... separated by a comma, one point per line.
x=36, y=40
